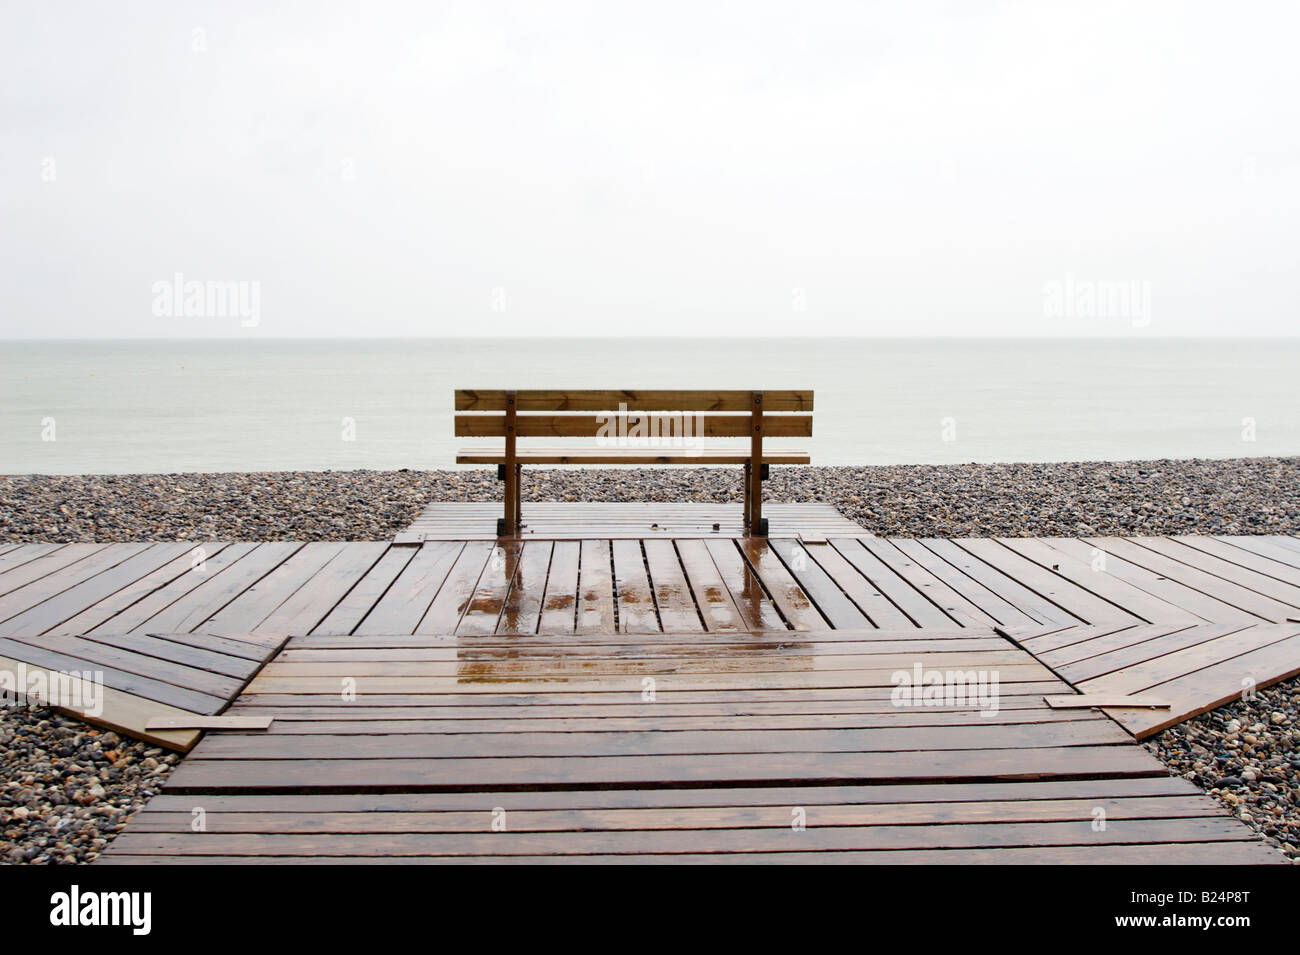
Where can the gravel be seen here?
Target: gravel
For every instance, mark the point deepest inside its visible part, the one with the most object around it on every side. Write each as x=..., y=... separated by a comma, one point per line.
x=69, y=788
x=1247, y=756
x=1239, y=496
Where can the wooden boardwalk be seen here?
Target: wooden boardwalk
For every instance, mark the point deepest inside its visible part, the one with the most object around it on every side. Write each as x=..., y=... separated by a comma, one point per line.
x=635, y=748
x=416, y=688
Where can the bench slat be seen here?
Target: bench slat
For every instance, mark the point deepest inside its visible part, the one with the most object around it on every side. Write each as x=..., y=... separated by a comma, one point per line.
x=629, y=456
x=474, y=399
x=587, y=426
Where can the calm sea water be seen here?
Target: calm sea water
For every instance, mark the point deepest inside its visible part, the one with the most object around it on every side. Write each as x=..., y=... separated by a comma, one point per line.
x=160, y=406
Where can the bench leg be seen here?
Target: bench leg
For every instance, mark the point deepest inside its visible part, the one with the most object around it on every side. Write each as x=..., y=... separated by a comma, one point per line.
x=755, y=523
x=519, y=497
x=745, y=481
x=508, y=526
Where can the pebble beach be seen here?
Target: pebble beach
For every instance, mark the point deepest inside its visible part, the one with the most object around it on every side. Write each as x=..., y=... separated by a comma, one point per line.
x=1247, y=756
x=68, y=788
x=1237, y=496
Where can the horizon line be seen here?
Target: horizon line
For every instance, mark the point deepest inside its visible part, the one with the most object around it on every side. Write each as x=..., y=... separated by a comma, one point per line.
x=710, y=337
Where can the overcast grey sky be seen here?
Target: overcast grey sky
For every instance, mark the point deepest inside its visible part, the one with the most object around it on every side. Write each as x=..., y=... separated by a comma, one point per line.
x=479, y=168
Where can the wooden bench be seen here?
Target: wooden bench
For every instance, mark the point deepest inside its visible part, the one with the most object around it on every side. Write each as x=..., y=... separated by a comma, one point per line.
x=669, y=423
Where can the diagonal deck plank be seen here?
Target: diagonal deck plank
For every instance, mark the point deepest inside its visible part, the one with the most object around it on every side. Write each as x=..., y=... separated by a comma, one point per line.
x=65, y=578
x=53, y=559
x=138, y=678
x=1199, y=595
x=999, y=582
x=110, y=605
x=1082, y=571
x=206, y=600
x=406, y=598
x=1279, y=550
x=1181, y=551
x=58, y=608
x=896, y=585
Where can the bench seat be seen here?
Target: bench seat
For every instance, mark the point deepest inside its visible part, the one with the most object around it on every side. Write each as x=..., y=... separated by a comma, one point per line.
x=629, y=456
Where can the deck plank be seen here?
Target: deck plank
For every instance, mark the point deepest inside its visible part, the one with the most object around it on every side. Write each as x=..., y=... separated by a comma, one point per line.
x=119, y=600
x=18, y=554
x=1242, y=577
x=1145, y=676
x=1279, y=550
x=635, y=598
x=257, y=603
x=827, y=594
x=640, y=520
x=139, y=661
x=1168, y=588
x=137, y=610
x=56, y=558
x=922, y=578
x=860, y=589
x=1202, y=689
x=559, y=610
x=596, y=603
x=998, y=610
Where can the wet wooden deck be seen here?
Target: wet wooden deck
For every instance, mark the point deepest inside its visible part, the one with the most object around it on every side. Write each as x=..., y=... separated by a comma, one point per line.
x=649, y=585
x=423, y=686
x=1195, y=618
x=670, y=748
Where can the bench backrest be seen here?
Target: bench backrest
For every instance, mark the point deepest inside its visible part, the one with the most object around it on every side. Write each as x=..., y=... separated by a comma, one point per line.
x=566, y=414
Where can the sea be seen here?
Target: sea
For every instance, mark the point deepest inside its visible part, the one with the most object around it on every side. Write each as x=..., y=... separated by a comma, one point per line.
x=164, y=406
